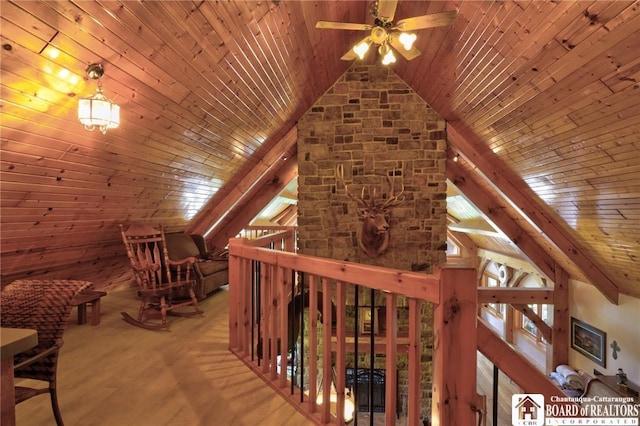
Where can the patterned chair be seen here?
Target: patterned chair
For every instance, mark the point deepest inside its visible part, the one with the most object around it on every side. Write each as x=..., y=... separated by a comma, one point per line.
x=43, y=305
x=159, y=278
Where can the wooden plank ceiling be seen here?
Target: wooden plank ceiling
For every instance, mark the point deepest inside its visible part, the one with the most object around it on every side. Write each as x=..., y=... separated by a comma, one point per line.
x=541, y=98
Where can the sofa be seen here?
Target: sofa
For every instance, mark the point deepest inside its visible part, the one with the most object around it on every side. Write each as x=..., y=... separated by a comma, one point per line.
x=212, y=270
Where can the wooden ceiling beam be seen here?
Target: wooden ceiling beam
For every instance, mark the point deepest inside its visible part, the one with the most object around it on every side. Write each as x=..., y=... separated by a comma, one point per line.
x=472, y=226
x=491, y=210
x=220, y=210
x=517, y=264
x=486, y=167
x=233, y=193
x=255, y=201
x=515, y=296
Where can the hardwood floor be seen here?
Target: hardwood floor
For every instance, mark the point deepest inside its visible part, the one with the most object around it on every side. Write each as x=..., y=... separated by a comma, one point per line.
x=506, y=388
x=116, y=374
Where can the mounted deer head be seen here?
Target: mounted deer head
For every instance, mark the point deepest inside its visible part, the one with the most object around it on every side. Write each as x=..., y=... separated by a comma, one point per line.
x=374, y=236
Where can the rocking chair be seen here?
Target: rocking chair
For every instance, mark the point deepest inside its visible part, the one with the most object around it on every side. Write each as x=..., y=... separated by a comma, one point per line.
x=159, y=279
x=43, y=305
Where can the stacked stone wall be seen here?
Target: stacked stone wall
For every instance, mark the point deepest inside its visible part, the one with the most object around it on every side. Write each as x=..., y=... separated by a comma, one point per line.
x=379, y=130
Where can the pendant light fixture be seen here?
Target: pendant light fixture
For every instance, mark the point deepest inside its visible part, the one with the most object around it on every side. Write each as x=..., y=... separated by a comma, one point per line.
x=98, y=112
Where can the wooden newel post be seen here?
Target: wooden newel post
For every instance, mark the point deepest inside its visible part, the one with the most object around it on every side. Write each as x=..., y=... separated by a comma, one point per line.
x=236, y=278
x=455, y=345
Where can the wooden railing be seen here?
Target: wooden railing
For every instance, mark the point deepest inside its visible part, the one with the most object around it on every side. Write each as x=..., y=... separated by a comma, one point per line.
x=514, y=365
x=255, y=232
x=262, y=283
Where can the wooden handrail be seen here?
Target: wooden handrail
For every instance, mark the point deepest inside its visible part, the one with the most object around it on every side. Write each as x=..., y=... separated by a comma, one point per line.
x=259, y=323
x=255, y=232
x=519, y=369
x=276, y=237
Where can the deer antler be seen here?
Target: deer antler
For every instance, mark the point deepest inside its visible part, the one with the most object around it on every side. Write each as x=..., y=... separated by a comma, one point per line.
x=340, y=175
x=393, y=200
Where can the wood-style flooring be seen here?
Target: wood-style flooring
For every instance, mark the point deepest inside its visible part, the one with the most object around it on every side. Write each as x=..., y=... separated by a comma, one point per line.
x=506, y=388
x=115, y=374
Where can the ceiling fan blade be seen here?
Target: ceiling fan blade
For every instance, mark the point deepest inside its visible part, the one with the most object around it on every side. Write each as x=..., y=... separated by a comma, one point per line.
x=387, y=9
x=408, y=54
x=427, y=21
x=342, y=26
x=349, y=56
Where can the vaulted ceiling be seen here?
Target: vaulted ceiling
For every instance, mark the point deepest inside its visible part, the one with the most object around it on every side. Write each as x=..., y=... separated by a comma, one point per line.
x=541, y=100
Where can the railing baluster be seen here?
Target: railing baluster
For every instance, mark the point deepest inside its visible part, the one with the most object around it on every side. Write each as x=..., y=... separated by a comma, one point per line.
x=265, y=333
x=356, y=333
x=274, y=335
x=415, y=348
x=372, y=350
x=291, y=338
x=235, y=306
x=283, y=335
x=255, y=325
x=313, y=342
x=391, y=375
x=269, y=327
x=341, y=296
x=327, y=320
x=301, y=328
x=240, y=320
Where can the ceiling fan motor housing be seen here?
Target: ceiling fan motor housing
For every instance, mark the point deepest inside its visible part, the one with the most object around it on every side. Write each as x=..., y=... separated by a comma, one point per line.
x=378, y=35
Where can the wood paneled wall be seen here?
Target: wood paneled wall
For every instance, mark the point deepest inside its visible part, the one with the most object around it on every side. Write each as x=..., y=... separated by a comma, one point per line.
x=545, y=94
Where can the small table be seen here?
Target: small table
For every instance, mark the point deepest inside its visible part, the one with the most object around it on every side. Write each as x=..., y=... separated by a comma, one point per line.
x=630, y=390
x=12, y=341
x=91, y=297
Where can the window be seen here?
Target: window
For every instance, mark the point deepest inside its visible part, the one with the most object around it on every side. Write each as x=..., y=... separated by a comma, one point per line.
x=496, y=309
x=527, y=326
x=453, y=250
x=524, y=325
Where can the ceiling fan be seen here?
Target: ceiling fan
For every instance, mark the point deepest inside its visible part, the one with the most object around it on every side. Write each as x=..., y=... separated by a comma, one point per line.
x=387, y=36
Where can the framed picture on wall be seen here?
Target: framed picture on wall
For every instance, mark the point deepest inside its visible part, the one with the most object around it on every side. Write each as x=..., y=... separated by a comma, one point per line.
x=368, y=324
x=589, y=341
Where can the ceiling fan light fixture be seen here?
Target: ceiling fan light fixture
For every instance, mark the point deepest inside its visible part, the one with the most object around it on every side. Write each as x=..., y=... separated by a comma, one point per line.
x=407, y=40
x=361, y=49
x=388, y=57
x=384, y=34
